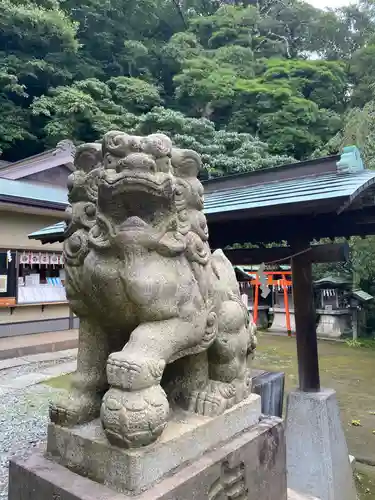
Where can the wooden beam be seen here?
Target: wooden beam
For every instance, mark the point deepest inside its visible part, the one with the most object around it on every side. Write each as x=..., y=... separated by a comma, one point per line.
x=281, y=228
x=332, y=252
x=304, y=312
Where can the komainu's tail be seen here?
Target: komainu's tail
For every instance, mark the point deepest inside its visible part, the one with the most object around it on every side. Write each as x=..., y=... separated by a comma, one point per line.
x=224, y=271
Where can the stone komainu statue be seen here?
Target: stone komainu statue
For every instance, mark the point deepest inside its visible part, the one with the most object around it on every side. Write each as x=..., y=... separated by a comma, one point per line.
x=161, y=318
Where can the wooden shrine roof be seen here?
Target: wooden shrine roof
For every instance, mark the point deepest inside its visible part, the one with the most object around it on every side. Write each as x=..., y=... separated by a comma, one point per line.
x=18, y=192
x=326, y=197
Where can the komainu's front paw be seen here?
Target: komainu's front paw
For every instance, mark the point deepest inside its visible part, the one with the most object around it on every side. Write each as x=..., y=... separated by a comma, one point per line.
x=134, y=419
x=75, y=408
x=217, y=397
x=133, y=372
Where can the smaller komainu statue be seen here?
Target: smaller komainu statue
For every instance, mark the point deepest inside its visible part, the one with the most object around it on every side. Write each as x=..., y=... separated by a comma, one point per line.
x=161, y=318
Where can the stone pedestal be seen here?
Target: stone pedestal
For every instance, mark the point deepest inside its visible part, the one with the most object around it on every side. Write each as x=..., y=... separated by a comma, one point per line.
x=317, y=454
x=334, y=323
x=85, y=449
x=270, y=387
x=279, y=320
x=293, y=495
x=262, y=320
x=250, y=465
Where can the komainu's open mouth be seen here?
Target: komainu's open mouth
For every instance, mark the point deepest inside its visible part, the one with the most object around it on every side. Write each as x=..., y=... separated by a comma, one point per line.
x=160, y=184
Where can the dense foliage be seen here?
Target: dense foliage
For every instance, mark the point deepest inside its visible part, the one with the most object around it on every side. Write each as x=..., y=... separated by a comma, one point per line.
x=248, y=83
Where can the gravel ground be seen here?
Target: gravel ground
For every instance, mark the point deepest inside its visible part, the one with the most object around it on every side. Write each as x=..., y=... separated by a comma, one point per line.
x=24, y=410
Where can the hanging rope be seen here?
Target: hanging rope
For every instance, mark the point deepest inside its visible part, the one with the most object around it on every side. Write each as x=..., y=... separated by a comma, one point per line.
x=287, y=258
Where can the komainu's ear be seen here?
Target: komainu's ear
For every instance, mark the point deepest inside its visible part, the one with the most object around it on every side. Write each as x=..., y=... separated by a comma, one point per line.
x=120, y=144
x=88, y=156
x=157, y=145
x=186, y=162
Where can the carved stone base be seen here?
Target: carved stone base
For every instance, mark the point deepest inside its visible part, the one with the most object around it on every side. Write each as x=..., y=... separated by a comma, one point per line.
x=250, y=465
x=85, y=449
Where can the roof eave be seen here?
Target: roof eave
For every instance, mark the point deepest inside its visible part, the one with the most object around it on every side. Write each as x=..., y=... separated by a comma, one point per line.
x=63, y=154
x=311, y=207
x=33, y=203
x=356, y=194
x=54, y=238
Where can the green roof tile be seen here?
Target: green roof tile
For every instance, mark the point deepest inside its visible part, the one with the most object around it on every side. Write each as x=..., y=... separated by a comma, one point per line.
x=57, y=228
x=344, y=187
x=290, y=191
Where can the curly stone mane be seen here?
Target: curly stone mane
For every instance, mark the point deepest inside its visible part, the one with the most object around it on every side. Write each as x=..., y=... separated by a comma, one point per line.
x=184, y=229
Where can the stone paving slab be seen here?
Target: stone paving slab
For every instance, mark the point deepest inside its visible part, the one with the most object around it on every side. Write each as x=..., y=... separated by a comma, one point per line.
x=50, y=356
x=5, y=364
x=24, y=345
x=29, y=379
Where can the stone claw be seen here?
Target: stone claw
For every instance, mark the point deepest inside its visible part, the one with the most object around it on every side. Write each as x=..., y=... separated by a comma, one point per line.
x=206, y=404
x=77, y=408
x=133, y=373
x=217, y=397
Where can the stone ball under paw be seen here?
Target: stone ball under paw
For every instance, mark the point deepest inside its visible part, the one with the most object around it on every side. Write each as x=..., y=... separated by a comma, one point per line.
x=134, y=419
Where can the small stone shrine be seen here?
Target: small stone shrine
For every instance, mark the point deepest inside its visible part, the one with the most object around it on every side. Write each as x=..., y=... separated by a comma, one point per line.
x=161, y=405
x=339, y=307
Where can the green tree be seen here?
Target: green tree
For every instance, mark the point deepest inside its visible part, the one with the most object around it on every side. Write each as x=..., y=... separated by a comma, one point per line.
x=363, y=270
x=325, y=83
x=228, y=25
x=35, y=43
x=85, y=110
x=135, y=54
x=362, y=70
x=134, y=94
x=359, y=129
x=289, y=26
x=204, y=85
x=245, y=66
x=219, y=75
x=223, y=152
x=104, y=26
x=298, y=128
x=89, y=108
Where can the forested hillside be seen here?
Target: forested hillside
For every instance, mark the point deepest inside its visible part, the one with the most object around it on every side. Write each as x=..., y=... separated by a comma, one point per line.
x=247, y=84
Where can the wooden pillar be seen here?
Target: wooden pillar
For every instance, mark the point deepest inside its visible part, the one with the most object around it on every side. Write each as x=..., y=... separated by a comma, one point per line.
x=304, y=311
x=355, y=322
x=286, y=306
x=256, y=300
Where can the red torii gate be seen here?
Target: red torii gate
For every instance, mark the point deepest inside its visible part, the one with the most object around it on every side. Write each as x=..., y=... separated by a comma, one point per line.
x=284, y=283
